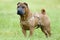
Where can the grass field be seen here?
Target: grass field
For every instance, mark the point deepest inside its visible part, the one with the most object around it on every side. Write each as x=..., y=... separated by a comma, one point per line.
x=9, y=20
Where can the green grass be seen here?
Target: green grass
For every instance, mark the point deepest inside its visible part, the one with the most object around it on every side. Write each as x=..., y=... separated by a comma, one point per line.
x=9, y=20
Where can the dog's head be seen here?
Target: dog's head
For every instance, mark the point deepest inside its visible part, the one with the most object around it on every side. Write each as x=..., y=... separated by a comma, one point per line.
x=22, y=8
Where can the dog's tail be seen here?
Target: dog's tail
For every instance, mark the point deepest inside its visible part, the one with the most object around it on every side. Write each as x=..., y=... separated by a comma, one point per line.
x=43, y=11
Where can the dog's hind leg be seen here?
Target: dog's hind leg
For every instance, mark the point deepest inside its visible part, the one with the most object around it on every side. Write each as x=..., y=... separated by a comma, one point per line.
x=49, y=33
x=44, y=31
x=48, y=30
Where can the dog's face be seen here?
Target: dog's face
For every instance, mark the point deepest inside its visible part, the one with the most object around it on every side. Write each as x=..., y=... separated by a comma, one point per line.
x=21, y=8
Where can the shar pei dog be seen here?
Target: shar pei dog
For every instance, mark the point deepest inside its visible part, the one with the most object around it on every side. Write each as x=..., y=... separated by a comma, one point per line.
x=30, y=21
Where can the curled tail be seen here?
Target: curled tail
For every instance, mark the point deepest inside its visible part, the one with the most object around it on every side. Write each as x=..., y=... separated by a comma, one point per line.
x=43, y=11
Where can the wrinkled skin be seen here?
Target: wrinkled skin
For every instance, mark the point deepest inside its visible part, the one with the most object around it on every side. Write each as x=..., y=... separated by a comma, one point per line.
x=30, y=21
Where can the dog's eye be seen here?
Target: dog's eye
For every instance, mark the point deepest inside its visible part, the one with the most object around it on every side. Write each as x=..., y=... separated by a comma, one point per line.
x=23, y=6
x=18, y=6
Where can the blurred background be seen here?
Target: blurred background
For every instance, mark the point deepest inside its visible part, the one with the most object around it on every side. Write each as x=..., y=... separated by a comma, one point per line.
x=10, y=24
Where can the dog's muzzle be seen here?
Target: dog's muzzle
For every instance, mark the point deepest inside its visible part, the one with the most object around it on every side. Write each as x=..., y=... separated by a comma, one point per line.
x=20, y=11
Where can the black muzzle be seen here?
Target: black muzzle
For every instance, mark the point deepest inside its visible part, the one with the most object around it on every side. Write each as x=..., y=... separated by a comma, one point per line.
x=20, y=11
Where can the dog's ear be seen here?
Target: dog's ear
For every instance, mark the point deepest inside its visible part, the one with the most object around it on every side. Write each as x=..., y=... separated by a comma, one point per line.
x=18, y=3
x=26, y=4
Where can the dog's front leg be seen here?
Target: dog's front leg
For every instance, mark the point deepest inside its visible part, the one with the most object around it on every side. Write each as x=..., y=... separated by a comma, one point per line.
x=31, y=31
x=24, y=32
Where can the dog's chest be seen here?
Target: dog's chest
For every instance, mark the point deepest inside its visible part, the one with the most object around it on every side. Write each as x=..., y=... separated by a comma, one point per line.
x=30, y=22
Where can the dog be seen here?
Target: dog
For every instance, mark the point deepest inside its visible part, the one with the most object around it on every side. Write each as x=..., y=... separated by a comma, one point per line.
x=30, y=21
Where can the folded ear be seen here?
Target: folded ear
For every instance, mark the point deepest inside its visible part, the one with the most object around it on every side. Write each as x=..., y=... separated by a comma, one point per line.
x=26, y=4
x=18, y=3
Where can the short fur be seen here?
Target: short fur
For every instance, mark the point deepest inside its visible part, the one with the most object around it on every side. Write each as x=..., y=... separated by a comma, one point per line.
x=30, y=21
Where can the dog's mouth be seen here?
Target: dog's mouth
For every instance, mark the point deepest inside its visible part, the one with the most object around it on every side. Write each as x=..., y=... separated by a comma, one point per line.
x=20, y=11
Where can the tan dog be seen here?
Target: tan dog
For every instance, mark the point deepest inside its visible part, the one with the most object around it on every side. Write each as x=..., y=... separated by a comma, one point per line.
x=30, y=21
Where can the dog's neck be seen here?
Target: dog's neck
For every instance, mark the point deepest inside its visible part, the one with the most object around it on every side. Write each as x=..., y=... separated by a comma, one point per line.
x=26, y=16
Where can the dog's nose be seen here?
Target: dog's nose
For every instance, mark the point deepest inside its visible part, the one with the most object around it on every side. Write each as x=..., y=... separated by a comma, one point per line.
x=20, y=11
